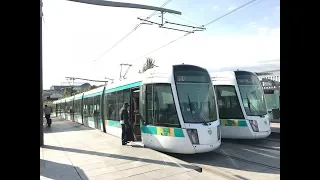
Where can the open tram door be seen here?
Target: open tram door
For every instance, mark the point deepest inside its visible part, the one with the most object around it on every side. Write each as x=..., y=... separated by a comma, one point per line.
x=134, y=113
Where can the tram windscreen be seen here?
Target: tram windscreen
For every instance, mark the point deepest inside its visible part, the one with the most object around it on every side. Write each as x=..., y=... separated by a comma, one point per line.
x=195, y=94
x=228, y=102
x=251, y=93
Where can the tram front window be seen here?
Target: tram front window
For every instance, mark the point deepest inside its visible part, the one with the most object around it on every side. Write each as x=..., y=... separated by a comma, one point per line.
x=251, y=94
x=228, y=103
x=196, y=96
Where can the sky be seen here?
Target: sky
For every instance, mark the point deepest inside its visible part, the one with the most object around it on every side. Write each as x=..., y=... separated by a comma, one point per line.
x=75, y=35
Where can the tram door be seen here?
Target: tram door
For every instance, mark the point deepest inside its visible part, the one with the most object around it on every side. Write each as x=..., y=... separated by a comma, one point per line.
x=85, y=112
x=134, y=108
x=96, y=112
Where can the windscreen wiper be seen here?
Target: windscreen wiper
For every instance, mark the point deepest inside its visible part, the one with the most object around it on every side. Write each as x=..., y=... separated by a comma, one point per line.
x=251, y=108
x=199, y=115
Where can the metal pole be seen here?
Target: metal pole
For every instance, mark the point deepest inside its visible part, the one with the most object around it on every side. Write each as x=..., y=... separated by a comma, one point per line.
x=41, y=88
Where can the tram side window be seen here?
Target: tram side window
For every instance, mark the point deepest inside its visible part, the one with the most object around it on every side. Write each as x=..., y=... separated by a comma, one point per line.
x=77, y=107
x=105, y=107
x=66, y=107
x=161, y=107
x=228, y=103
x=142, y=105
x=62, y=107
x=90, y=105
x=58, y=110
x=85, y=107
x=149, y=104
x=111, y=106
x=97, y=106
x=126, y=96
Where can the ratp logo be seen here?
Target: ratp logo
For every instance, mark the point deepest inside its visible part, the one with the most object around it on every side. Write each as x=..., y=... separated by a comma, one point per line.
x=210, y=132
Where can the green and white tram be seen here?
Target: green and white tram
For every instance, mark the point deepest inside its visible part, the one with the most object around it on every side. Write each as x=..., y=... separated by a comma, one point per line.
x=242, y=106
x=173, y=109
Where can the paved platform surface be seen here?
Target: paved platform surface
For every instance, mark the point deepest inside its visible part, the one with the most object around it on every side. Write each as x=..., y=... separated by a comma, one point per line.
x=73, y=151
x=275, y=127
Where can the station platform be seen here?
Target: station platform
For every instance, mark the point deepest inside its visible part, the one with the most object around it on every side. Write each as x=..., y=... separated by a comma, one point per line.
x=73, y=151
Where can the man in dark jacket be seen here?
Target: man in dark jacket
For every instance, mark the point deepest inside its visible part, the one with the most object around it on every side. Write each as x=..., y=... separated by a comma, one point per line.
x=124, y=121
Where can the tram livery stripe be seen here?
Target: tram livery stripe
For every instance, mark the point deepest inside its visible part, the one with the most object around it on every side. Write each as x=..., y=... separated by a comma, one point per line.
x=113, y=123
x=161, y=131
x=233, y=122
x=127, y=86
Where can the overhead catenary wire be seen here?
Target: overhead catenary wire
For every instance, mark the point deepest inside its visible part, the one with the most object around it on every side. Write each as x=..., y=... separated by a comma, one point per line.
x=185, y=20
x=134, y=29
x=230, y=12
x=214, y=20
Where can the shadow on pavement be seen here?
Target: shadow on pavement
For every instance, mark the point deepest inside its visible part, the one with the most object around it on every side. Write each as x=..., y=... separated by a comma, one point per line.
x=193, y=167
x=60, y=125
x=54, y=170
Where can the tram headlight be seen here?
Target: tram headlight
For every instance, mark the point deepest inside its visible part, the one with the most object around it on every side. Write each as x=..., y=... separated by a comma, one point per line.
x=193, y=135
x=254, y=125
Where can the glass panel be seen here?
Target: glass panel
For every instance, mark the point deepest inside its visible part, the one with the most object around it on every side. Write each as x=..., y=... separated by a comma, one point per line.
x=97, y=106
x=165, y=113
x=119, y=103
x=149, y=106
x=197, y=102
x=195, y=93
x=228, y=102
x=77, y=107
x=85, y=108
x=272, y=101
x=90, y=106
x=105, y=107
x=142, y=108
x=111, y=106
x=251, y=93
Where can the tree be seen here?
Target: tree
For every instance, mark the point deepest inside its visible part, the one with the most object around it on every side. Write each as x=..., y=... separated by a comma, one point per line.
x=150, y=63
x=93, y=87
x=67, y=92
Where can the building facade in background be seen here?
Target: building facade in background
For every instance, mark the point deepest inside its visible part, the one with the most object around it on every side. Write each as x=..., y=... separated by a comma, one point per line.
x=272, y=75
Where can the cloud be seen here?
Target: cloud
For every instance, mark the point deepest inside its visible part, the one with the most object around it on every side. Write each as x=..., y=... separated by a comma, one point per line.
x=215, y=7
x=266, y=18
x=252, y=24
x=231, y=8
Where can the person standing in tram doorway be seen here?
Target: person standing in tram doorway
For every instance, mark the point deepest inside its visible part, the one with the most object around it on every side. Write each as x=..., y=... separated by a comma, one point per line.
x=124, y=116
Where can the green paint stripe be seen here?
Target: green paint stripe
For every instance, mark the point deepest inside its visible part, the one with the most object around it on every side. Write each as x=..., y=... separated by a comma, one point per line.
x=92, y=95
x=242, y=123
x=78, y=98
x=113, y=123
x=91, y=119
x=127, y=86
x=178, y=132
x=149, y=129
x=233, y=122
x=154, y=130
